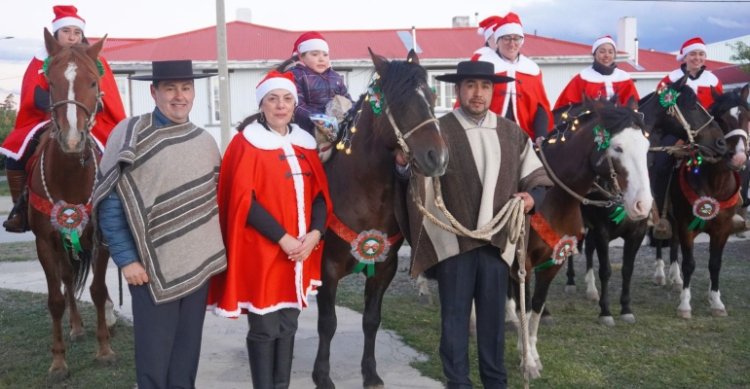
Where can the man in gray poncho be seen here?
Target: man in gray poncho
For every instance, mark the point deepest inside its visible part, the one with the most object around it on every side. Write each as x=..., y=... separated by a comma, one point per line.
x=155, y=203
x=491, y=160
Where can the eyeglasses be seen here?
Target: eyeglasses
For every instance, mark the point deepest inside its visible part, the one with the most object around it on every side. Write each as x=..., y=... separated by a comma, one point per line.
x=511, y=38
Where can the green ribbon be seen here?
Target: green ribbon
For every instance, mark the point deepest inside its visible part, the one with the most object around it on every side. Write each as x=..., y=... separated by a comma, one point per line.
x=697, y=224
x=545, y=265
x=668, y=97
x=618, y=215
x=367, y=268
x=601, y=138
x=71, y=240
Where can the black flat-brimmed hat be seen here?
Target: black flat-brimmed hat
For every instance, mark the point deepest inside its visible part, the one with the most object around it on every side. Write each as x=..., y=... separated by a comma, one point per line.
x=172, y=70
x=474, y=70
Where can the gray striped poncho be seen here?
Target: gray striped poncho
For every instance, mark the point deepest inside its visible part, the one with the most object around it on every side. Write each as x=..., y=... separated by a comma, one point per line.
x=166, y=178
x=487, y=164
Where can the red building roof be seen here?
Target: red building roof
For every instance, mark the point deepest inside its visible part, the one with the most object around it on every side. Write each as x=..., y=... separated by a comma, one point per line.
x=252, y=42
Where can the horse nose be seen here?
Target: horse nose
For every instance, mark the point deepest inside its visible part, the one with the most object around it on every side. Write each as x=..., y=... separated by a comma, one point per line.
x=721, y=145
x=437, y=160
x=640, y=207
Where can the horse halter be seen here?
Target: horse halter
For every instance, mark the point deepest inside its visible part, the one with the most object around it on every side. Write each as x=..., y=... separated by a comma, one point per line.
x=90, y=116
x=402, y=136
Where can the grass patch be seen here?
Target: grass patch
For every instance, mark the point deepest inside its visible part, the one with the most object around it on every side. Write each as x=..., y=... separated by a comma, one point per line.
x=26, y=338
x=659, y=351
x=18, y=251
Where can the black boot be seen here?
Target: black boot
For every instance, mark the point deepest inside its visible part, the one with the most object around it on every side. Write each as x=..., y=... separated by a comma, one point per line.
x=282, y=370
x=17, y=220
x=261, y=356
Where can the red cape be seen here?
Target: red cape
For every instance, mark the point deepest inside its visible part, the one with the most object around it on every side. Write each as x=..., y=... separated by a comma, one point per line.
x=578, y=86
x=260, y=278
x=30, y=118
x=701, y=86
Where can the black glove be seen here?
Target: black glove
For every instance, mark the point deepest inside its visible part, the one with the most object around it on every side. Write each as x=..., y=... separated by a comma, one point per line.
x=41, y=98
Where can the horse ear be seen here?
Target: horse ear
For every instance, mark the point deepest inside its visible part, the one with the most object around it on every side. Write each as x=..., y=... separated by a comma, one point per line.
x=412, y=57
x=745, y=92
x=52, y=45
x=381, y=64
x=714, y=93
x=93, y=50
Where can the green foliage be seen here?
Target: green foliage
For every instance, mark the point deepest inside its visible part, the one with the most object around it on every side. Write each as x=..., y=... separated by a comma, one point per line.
x=7, y=121
x=742, y=54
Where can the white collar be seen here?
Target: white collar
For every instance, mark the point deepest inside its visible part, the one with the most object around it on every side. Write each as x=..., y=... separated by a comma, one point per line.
x=260, y=137
x=488, y=122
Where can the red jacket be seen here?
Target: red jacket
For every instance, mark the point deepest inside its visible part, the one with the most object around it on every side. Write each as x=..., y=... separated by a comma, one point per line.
x=596, y=85
x=30, y=118
x=526, y=94
x=260, y=278
x=701, y=85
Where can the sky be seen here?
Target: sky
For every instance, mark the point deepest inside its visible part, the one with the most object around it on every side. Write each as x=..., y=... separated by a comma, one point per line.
x=662, y=25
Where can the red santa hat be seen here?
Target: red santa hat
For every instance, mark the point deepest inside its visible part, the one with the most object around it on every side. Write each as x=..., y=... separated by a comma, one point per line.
x=310, y=41
x=487, y=26
x=66, y=15
x=509, y=24
x=691, y=44
x=275, y=80
x=602, y=40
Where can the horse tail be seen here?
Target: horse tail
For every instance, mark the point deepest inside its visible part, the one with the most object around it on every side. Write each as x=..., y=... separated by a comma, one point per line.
x=81, y=263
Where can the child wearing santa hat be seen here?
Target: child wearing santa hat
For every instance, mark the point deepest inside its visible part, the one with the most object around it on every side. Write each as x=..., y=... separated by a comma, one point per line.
x=693, y=57
x=600, y=80
x=272, y=222
x=317, y=84
x=33, y=115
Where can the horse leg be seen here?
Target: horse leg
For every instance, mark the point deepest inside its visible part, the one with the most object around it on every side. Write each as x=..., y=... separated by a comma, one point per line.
x=425, y=295
x=511, y=318
x=629, y=251
x=592, y=244
x=74, y=315
x=716, y=249
x=58, y=370
x=541, y=288
x=688, y=266
x=659, y=277
x=570, y=284
x=327, y=323
x=675, y=277
x=100, y=297
x=374, y=290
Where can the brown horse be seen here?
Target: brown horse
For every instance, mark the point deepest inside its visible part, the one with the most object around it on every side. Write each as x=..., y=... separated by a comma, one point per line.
x=704, y=196
x=395, y=115
x=60, y=198
x=602, y=140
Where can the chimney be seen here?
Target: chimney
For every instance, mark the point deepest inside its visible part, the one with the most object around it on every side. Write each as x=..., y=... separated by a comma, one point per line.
x=627, y=36
x=461, y=21
x=244, y=15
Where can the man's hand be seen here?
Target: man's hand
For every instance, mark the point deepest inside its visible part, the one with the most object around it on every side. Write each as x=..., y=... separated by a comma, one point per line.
x=135, y=274
x=528, y=201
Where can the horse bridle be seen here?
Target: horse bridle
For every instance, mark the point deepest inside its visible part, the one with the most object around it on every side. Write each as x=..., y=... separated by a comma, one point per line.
x=402, y=136
x=90, y=116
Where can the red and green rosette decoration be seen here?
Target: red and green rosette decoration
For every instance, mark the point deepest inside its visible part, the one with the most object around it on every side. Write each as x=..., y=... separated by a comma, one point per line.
x=668, y=97
x=369, y=248
x=564, y=248
x=704, y=209
x=70, y=220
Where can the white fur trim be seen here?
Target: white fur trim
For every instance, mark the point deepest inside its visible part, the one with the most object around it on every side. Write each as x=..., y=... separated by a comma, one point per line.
x=601, y=41
x=687, y=49
x=68, y=21
x=30, y=135
x=312, y=44
x=486, y=32
x=591, y=75
x=508, y=29
x=488, y=55
x=275, y=83
x=263, y=139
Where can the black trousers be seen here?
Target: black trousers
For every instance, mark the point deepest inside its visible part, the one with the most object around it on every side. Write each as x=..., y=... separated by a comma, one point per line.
x=280, y=324
x=478, y=276
x=167, y=338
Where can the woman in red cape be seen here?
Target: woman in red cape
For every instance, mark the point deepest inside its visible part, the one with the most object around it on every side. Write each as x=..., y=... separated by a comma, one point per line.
x=273, y=208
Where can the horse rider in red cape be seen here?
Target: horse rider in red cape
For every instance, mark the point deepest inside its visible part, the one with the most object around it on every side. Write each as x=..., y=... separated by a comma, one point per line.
x=524, y=100
x=33, y=112
x=600, y=80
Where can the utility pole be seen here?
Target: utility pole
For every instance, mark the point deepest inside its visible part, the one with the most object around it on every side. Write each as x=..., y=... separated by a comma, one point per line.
x=221, y=59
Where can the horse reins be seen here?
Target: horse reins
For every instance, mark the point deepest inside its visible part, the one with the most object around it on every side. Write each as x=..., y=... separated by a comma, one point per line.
x=402, y=136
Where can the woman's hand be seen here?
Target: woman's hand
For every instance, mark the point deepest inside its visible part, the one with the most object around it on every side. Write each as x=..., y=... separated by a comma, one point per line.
x=308, y=243
x=289, y=243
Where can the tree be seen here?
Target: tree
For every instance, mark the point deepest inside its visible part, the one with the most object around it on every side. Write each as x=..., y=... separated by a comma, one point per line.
x=742, y=54
x=7, y=120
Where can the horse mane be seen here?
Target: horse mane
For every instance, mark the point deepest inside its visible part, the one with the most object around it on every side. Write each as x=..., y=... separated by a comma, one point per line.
x=611, y=116
x=726, y=101
x=401, y=78
x=616, y=119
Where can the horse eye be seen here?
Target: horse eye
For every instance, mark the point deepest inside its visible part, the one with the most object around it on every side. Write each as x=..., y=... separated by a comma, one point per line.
x=618, y=149
x=93, y=84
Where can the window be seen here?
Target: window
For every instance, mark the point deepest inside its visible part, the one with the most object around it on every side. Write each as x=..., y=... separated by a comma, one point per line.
x=213, y=101
x=444, y=91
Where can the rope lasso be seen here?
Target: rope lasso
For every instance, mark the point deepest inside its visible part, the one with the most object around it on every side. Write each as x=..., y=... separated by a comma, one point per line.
x=512, y=212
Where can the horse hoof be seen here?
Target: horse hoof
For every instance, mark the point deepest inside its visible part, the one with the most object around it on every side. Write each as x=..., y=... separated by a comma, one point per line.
x=324, y=383
x=608, y=321
x=107, y=358
x=570, y=289
x=426, y=299
x=76, y=335
x=628, y=318
x=58, y=375
x=592, y=296
x=684, y=314
x=660, y=281
x=719, y=312
x=376, y=386
x=374, y=383
x=547, y=320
